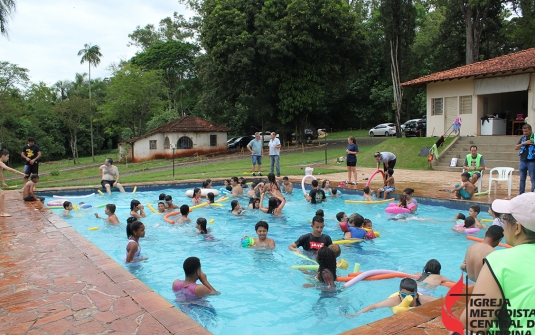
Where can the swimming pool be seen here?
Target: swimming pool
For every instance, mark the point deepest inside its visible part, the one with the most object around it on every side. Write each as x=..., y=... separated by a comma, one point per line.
x=260, y=293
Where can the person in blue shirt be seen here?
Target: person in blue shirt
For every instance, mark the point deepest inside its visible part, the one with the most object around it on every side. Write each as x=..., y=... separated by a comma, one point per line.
x=355, y=226
x=257, y=152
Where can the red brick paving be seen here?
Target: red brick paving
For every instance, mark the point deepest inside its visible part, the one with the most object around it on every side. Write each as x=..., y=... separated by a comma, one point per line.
x=54, y=281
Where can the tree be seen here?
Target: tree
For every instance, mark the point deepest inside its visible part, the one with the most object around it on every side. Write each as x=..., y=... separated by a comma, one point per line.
x=475, y=16
x=133, y=97
x=90, y=54
x=7, y=8
x=71, y=112
x=398, y=18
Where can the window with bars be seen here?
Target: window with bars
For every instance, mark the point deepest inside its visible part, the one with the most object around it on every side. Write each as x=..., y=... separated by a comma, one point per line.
x=184, y=143
x=437, y=105
x=152, y=144
x=465, y=104
x=213, y=140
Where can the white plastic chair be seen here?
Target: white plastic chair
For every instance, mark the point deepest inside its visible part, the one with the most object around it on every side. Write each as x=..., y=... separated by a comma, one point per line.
x=504, y=174
x=479, y=180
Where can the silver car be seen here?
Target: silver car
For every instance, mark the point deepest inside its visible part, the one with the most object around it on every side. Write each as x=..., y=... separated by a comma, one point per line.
x=383, y=129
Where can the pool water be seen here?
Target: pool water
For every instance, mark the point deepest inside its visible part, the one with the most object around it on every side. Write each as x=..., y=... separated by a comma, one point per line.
x=260, y=293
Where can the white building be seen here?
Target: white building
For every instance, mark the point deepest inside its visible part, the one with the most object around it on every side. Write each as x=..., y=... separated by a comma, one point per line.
x=189, y=135
x=502, y=87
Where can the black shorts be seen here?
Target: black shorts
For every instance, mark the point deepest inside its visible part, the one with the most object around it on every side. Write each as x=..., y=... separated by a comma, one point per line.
x=31, y=169
x=391, y=165
x=108, y=182
x=351, y=163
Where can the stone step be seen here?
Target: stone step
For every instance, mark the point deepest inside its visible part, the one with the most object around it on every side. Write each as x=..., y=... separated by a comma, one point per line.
x=489, y=140
x=506, y=156
x=484, y=148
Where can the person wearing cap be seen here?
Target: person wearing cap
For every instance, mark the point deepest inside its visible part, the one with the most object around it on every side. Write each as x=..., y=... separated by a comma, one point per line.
x=505, y=282
x=526, y=152
x=387, y=158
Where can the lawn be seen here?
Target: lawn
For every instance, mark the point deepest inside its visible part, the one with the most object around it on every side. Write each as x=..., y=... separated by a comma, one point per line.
x=292, y=163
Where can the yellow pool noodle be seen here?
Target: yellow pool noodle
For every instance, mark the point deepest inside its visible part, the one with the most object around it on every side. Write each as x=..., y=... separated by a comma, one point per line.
x=100, y=192
x=216, y=205
x=93, y=228
x=75, y=207
x=356, y=268
x=135, y=189
x=403, y=306
x=211, y=221
x=151, y=208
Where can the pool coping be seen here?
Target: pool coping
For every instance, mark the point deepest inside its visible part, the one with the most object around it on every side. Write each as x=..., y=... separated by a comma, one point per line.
x=425, y=319
x=93, y=294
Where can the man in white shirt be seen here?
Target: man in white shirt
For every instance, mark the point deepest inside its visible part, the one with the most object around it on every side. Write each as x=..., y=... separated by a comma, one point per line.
x=274, y=153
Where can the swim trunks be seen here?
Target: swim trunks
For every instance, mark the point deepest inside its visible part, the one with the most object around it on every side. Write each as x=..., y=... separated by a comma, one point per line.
x=462, y=192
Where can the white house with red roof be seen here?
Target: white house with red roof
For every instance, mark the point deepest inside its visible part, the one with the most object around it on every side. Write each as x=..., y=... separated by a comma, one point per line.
x=188, y=136
x=501, y=87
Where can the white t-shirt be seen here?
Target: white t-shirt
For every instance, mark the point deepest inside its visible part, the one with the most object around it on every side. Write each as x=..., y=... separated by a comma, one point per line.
x=387, y=156
x=273, y=151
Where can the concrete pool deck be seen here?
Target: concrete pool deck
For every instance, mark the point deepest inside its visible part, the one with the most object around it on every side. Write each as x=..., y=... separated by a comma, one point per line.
x=54, y=281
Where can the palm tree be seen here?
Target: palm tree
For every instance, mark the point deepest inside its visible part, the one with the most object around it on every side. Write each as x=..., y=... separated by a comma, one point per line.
x=90, y=54
x=7, y=8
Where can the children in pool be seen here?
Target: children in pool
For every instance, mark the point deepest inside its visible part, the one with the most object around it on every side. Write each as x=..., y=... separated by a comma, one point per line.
x=134, y=231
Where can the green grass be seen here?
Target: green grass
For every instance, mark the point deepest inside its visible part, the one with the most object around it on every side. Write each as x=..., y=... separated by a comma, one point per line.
x=292, y=163
x=340, y=135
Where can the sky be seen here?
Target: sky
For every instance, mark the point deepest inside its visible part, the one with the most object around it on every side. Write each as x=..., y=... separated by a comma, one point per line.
x=45, y=36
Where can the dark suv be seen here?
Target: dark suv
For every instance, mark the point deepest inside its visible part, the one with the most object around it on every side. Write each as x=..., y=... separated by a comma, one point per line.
x=416, y=128
x=309, y=135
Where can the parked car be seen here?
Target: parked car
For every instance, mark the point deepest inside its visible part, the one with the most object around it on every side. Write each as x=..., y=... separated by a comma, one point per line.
x=383, y=129
x=240, y=142
x=413, y=120
x=309, y=135
x=231, y=140
x=267, y=136
x=416, y=128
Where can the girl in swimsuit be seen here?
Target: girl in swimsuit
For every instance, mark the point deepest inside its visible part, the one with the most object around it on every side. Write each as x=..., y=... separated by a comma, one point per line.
x=202, y=230
x=430, y=278
x=326, y=186
x=327, y=267
x=134, y=231
x=196, y=199
x=136, y=206
x=235, y=208
x=188, y=289
x=275, y=204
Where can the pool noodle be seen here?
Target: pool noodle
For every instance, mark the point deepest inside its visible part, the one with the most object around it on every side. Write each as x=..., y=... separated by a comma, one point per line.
x=356, y=240
x=305, y=257
x=303, y=182
x=366, y=275
x=373, y=175
x=478, y=239
x=151, y=208
x=101, y=205
x=368, y=202
x=135, y=189
x=73, y=197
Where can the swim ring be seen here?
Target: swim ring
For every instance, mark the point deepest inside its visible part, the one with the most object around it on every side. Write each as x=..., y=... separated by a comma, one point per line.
x=55, y=203
x=303, y=182
x=469, y=230
x=373, y=175
x=204, y=192
x=393, y=208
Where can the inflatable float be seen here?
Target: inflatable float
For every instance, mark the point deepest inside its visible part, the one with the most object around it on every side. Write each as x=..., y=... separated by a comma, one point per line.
x=393, y=208
x=73, y=196
x=478, y=239
x=303, y=182
x=204, y=192
x=56, y=203
x=373, y=175
x=368, y=202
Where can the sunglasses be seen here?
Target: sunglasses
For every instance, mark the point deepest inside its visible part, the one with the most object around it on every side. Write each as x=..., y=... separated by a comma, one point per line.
x=403, y=294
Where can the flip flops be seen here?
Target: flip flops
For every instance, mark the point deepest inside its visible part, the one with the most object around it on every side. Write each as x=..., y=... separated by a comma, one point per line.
x=5, y=215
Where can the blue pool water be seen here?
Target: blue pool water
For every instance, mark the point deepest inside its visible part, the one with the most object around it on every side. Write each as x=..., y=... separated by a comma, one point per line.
x=260, y=293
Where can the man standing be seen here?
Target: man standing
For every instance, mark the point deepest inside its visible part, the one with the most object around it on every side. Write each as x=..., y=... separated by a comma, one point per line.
x=527, y=158
x=387, y=158
x=274, y=153
x=474, y=163
x=255, y=147
x=30, y=153
x=110, y=176
x=4, y=157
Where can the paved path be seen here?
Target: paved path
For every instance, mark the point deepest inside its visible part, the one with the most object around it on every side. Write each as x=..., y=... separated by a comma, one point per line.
x=54, y=281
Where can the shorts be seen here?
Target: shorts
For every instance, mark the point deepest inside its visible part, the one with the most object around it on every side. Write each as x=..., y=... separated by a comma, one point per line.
x=30, y=198
x=351, y=163
x=107, y=182
x=31, y=169
x=478, y=174
x=462, y=192
x=388, y=189
x=256, y=159
x=391, y=165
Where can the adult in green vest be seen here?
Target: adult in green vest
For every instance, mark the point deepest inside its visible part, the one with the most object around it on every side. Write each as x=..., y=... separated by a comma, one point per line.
x=504, y=295
x=474, y=163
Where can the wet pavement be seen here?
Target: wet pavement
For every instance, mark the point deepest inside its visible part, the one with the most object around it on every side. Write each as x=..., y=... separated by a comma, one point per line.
x=54, y=281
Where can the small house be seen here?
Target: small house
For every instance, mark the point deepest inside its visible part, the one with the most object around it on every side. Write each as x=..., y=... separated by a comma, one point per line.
x=186, y=136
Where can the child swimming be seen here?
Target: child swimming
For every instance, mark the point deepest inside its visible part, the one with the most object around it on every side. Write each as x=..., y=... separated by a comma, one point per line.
x=368, y=193
x=197, y=198
x=135, y=207
x=275, y=204
x=235, y=208
x=67, y=206
x=184, y=211
x=430, y=278
x=262, y=242
x=389, y=183
x=161, y=207
x=202, y=230
x=313, y=241
x=134, y=231
x=327, y=267
x=110, y=212
x=188, y=289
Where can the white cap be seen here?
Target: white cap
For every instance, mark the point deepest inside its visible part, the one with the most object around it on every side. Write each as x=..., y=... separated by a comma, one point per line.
x=521, y=207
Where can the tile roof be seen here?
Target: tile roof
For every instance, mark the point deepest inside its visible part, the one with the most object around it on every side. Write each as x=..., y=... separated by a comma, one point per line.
x=184, y=124
x=518, y=61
